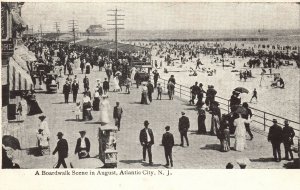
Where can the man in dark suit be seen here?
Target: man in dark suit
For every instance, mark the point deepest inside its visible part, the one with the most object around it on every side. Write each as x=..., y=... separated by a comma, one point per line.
x=105, y=86
x=118, y=111
x=147, y=140
x=184, y=125
x=66, y=91
x=83, y=146
x=155, y=77
x=275, y=136
x=287, y=137
x=168, y=143
x=62, y=149
x=75, y=88
x=150, y=90
x=86, y=83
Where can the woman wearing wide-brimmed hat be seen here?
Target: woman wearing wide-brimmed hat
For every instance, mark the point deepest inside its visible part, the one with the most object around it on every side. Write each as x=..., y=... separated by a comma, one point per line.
x=44, y=125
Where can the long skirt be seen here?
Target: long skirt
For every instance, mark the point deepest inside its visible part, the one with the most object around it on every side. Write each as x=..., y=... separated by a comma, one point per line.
x=103, y=116
x=86, y=112
x=201, y=125
x=215, y=124
x=144, y=98
x=34, y=108
x=239, y=144
x=225, y=143
x=96, y=103
x=87, y=69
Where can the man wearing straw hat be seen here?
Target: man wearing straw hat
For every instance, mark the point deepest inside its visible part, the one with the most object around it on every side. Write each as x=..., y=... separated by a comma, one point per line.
x=62, y=149
x=147, y=140
x=275, y=136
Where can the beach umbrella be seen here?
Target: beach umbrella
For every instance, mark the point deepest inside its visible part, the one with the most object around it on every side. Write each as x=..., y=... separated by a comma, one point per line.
x=241, y=90
x=241, y=110
x=11, y=141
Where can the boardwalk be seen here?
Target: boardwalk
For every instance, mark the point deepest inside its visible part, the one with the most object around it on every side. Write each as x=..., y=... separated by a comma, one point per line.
x=202, y=153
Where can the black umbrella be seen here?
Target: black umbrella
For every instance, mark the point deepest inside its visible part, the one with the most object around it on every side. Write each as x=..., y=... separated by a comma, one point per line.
x=241, y=90
x=11, y=141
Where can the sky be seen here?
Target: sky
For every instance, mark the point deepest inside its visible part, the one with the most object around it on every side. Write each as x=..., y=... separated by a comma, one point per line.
x=166, y=16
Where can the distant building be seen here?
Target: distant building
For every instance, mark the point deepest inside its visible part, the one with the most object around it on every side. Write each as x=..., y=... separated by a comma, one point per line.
x=95, y=30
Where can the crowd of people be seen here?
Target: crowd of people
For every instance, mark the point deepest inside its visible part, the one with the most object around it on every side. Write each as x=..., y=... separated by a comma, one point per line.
x=223, y=126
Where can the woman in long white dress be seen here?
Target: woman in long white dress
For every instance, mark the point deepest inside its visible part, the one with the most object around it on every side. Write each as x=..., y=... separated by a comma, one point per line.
x=239, y=134
x=133, y=71
x=116, y=84
x=104, y=110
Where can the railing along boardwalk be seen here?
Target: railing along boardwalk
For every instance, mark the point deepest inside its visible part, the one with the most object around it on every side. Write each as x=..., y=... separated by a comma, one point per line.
x=262, y=119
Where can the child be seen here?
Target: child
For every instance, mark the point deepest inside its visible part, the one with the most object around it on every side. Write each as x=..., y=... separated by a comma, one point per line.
x=19, y=110
x=77, y=111
x=159, y=91
x=128, y=84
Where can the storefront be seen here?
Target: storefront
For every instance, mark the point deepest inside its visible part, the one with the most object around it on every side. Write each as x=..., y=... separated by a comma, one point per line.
x=12, y=74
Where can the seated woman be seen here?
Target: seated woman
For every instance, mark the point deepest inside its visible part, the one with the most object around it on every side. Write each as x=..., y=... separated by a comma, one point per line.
x=281, y=83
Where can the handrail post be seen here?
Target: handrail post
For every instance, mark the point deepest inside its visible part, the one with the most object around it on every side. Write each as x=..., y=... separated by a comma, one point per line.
x=264, y=121
x=180, y=91
x=228, y=106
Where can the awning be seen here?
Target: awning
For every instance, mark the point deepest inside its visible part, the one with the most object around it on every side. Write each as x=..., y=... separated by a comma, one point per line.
x=19, y=79
x=23, y=52
x=17, y=19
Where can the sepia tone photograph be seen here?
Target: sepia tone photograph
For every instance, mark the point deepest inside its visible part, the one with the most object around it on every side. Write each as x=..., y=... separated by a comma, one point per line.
x=197, y=85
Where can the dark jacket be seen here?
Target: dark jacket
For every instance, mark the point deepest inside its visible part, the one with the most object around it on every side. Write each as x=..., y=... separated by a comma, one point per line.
x=288, y=134
x=86, y=82
x=66, y=89
x=150, y=88
x=75, y=88
x=143, y=136
x=172, y=80
x=62, y=148
x=275, y=134
x=184, y=124
x=100, y=90
x=87, y=143
x=106, y=85
x=211, y=93
x=195, y=89
x=248, y=114
x=168, y=140
x=116, y=113
x=156, y=76
x=234, y=101
x=6, y=162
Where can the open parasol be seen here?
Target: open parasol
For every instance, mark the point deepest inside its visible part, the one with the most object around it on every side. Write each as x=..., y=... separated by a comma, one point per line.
x=118, y=73
x=241, y=90
x=11, y=141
